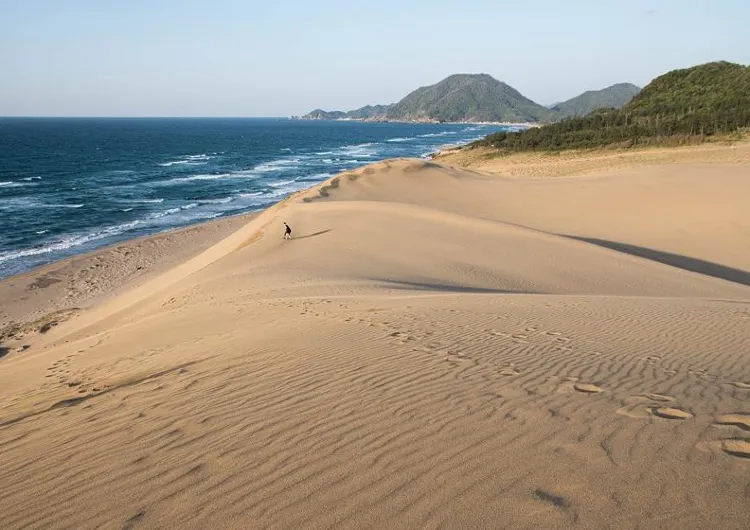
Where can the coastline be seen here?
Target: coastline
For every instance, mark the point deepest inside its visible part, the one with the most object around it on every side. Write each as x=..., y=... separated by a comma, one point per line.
x=25, y=294
x=84, y=280
x=527, y=124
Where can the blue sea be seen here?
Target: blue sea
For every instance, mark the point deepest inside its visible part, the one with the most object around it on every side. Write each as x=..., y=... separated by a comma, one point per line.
x=70, y=185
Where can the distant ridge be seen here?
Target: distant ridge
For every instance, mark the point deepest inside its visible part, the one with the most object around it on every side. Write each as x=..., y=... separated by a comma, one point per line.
x=681, y=106
x=478, y=98
x=614, y=97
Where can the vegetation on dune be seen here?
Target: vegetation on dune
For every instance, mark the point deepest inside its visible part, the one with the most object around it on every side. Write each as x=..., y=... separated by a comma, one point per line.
x=682, y=106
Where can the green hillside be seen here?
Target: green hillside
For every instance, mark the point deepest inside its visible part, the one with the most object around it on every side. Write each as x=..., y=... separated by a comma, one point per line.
x=681, y=106
x=613, y=97
x=468, y=97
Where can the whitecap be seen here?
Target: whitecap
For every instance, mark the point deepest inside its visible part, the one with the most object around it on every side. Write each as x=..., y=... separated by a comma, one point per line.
x=281, y=164
x=214, y=176
x=223, y=200
x=126, y=210
x=282, y=183
x=399, y=139
x=11, y=184
x=189, y=159
x=434, y=135
x=147, y=201
x=164, y=213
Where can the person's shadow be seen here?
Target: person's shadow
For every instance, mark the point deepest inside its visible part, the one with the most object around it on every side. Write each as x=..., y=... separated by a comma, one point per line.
x=312, y=235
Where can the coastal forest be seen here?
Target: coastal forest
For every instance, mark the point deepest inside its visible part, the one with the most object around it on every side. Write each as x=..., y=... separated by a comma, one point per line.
x=682, y=106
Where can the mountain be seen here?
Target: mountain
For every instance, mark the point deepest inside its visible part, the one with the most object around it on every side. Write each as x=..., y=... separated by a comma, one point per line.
x=614, y=96
x=468, y=98
x=458, y=98
x=367, y=112
x=686, y=105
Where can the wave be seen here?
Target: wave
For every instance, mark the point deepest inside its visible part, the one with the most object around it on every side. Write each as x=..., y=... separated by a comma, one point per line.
x=281, y=164
x=223, y=200
x=214, y=176
x=126, y=210
x=146, y=201
x=163, y=213
x=282, y=183
x=400, y=140
x=68, y=242
x=435, y=135
x=29, y=179
x=190, y=159
x=288, y=189
x=46, y=205
x=13, y=184
x=362, y=150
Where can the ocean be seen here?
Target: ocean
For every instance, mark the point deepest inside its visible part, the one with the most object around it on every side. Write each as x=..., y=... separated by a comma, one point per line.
x=70, y=185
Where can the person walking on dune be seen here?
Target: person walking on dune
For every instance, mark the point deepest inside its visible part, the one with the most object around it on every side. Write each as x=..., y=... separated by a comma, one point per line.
x=287, y=232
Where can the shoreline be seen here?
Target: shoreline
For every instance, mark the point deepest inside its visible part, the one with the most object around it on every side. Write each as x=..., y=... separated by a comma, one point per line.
x=429, y=122
x=84, y=280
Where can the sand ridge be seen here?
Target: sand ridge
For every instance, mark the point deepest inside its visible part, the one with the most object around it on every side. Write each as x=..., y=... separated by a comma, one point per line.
x=437, y=347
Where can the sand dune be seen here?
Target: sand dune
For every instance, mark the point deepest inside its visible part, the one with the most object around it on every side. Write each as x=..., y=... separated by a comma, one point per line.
x=437, y=347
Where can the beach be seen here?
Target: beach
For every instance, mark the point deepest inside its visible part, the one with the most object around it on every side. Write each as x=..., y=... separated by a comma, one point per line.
x=527, y=341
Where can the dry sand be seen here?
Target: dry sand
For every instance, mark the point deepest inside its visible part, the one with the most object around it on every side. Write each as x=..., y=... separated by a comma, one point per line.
x=437, y=347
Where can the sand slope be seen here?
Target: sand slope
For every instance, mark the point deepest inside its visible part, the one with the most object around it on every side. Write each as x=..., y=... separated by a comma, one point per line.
x=436, y=348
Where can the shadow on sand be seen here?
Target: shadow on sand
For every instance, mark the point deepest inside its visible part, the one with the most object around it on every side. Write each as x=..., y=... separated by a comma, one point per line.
x=442, y=287
x=312, y=235
x=675, y=260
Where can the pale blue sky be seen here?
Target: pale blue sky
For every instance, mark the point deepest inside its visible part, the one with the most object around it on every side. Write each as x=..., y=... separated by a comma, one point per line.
x=277, y=58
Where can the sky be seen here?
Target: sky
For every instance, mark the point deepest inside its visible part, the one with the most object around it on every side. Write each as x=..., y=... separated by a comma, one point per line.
x=287, y=57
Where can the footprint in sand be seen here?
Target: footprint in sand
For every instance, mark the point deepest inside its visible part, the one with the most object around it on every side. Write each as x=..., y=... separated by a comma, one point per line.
x=509, y=372
x=657, y=397
x=741, y=384
x=739, y=447
x=739, y=419
x=588, y=388
x=671, y=413
x=642, y=406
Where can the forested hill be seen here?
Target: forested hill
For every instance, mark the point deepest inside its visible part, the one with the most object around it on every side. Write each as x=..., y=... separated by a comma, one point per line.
x=680, y=106
x=468, y=97
x=614, y=97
